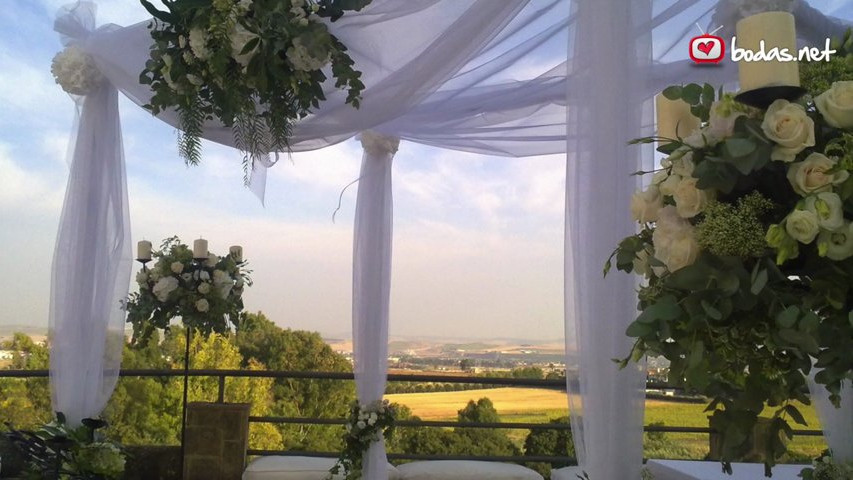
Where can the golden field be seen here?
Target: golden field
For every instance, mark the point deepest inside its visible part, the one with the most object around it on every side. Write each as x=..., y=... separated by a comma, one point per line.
x=542, y=405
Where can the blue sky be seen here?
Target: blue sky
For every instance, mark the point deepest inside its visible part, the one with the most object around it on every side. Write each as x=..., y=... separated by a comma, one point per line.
x=477, y=243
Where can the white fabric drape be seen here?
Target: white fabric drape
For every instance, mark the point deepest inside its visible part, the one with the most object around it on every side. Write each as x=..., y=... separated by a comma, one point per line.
x=837, y=423
x=371, y=281
x=607, y=405
x=92, y=260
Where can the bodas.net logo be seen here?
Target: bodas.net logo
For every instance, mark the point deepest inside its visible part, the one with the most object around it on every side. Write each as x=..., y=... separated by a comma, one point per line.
x=707, y=48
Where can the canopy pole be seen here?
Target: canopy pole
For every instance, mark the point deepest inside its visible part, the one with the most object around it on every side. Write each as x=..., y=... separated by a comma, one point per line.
x=371, y=282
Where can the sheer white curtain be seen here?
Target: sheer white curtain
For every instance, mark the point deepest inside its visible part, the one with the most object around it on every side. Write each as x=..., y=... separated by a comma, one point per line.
x=371, y=280
x=92, y=260
x=610, y=52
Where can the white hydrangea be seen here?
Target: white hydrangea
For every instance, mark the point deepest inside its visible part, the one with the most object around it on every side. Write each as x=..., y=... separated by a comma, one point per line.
x=164, y=287
x=76, y=72
x=302, y=60
x=198, y=43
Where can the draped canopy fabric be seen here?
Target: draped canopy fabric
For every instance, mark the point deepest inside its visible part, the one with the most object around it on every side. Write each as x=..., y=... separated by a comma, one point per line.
x=501, y=77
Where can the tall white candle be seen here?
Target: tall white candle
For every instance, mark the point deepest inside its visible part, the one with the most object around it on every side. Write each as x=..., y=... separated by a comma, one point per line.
x=674, y=118
x=236, y=252
x=200, y=248
x=143, y=250
x=777, y=31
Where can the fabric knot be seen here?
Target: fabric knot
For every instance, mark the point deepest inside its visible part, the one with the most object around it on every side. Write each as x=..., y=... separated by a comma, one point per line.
x=75, y=22
x=379, y=144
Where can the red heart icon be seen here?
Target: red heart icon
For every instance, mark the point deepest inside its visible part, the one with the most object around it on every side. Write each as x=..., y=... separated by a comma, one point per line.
x=705, y=47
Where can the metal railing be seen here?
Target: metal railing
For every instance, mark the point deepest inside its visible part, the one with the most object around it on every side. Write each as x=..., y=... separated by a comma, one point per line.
x=222, y=375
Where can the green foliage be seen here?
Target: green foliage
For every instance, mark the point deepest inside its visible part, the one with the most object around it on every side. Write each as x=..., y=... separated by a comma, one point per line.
x=737, y=231
x=57, y=450
x=366, y=424
x=256, y=67
x=826, y=468
x=752, y=298
x=261, y=340
x=817, y=77
x=550, y=442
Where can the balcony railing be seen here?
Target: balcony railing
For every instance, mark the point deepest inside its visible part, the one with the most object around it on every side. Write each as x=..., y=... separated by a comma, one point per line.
x=221, y=375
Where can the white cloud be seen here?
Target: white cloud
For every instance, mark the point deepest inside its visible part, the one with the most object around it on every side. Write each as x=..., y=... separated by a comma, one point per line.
x=25, y=191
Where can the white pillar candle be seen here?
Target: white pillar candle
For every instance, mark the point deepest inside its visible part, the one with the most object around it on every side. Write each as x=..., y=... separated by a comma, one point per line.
x=777, y=31
x=200, y=248
x=674, y=118
x=143, y=250
x=236, y=252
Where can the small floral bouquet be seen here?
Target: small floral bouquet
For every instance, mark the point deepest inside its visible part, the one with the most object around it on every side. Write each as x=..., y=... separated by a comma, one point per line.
x=255, y=65
x=75, y=71
x=80, y=453
x=365, y=425
x=746, y=249
x=207, y=296
x=825, y=468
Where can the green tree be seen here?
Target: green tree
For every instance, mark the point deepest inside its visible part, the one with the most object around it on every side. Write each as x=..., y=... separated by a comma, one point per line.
x=283, y=349
x=466, y=364
x=25, y=403
x=483, y=441
x=550, y=442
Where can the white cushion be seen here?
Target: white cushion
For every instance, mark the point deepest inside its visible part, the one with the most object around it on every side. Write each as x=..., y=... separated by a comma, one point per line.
x=465, y=470
x=566, y=473
x=297, y=468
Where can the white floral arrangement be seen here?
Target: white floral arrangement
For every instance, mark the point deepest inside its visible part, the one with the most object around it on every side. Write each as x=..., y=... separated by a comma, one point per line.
x=366, y=424
x=75, y=71
x=746, y=249
x=256, y=66
x=206, y=296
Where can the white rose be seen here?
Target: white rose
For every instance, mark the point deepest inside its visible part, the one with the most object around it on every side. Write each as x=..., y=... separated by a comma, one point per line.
x=204, y=288
x=667, y=187
x=683, y=166
x=703, y=137
x=142, y=277
x=360, y=425
x=809, y=176
x=202, y=305
x=689, y=200
x=836, y=104
x=802, y=226
x=177, y=267
x=828, y=209
x=678, y=250
x=198, y=43
x=223, y=282
x=674, y=240
x=164, y=287
x=789, y=127
x=838, y=243
x=645, y=205
x=203, y=275
x=240, y=37
x=187, y=277
x=212, y=260
x=659, y=177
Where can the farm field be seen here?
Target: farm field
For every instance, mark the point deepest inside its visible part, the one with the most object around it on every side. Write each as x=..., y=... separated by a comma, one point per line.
x=542, y=405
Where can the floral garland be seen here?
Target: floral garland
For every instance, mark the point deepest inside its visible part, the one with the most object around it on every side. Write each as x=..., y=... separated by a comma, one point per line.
x=207, y=296
x=257, y=66
x=746, y=247
x=81, y=453
x=366, y=425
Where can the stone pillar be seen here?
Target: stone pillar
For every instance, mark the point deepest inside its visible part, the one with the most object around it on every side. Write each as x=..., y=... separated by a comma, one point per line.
x=217, y=435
